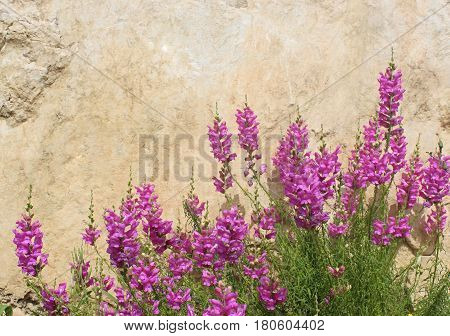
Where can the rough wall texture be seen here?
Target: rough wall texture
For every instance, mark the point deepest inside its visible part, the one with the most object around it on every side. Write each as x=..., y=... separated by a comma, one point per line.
x=82, y=80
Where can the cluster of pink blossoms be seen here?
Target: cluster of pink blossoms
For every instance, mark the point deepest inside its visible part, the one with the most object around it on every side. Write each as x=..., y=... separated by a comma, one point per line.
x=220, y=141
x=265, y=222
x=248, y=140
x=314, y=187
x=225, y=304
x=55, y=300
x=307, y=177
x=149, y=212
x=123, y=245
x=28, y=241
x=435, y=186
x=383, y=233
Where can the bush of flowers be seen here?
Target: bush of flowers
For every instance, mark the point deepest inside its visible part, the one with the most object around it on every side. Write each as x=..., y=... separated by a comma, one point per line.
x=326, y=246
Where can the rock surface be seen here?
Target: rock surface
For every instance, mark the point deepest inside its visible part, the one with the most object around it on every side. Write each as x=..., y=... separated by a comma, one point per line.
x=87, y=87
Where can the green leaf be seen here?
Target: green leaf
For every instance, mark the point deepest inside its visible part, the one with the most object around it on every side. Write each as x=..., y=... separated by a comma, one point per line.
x=6, y=310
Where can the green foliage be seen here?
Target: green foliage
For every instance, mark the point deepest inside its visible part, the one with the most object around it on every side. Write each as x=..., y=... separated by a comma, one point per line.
x=6, y=310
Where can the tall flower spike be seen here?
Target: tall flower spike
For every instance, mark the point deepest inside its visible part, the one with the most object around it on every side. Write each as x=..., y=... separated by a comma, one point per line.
x=91, y=234
x=220, y=141
x=270, y=293
x=205, y=247
x=150, y=213
x=28, y=240
x=123, y=245
x=248, y=139
x=374, y=161
x=435, y=187
x=230, y=232
x=409, y=186
x=391, y=94
x=265, y=223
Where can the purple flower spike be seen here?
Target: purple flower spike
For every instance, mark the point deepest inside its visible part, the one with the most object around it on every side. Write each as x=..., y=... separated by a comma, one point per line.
x=123, y=246
x=90, y=235
x=126, y=306
x=230, y=232
x=194, y=205
x=28, y=240
x=391, y=94
x=205, y=248
x=265, y=223
x=409, y=187
x=150, y=213
x=220, y=141
x=248, y=139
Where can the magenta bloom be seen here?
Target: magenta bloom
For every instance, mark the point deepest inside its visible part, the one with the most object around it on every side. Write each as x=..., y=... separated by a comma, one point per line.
x=230, y=232
x=248, y=129
x=291, y=149
x=328, y=167
x=435, y=180
x=190, y=310
x=436, y=220
x=248, y=138
x=107, y=283
x=55, y=301
x=205, y=247
x=181, y=243
x=179, y=265
x=435, y=187
x=225, y=305
x=220, y=141
x=195, y=207
x=123, y=246
x=144, y=276
x=270, y=294
x=307, y=179
x=176, y=298
x=208, y=278
x=374, y=162
x=265, y=223
x=82, y=273
x=126, y=306
x=335, y=231
x=382, y=233
x=90, y=235
x=258, y=266
x=397, y=150
x=401, y=227
x=150, y=213
x=391, y=94
x=28, y=240
x=409, y=187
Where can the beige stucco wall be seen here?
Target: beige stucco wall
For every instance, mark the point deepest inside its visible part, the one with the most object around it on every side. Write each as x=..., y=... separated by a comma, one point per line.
x=81, y=80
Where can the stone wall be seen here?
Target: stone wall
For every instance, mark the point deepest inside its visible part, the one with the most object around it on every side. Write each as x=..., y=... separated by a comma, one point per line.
x=84, y=83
